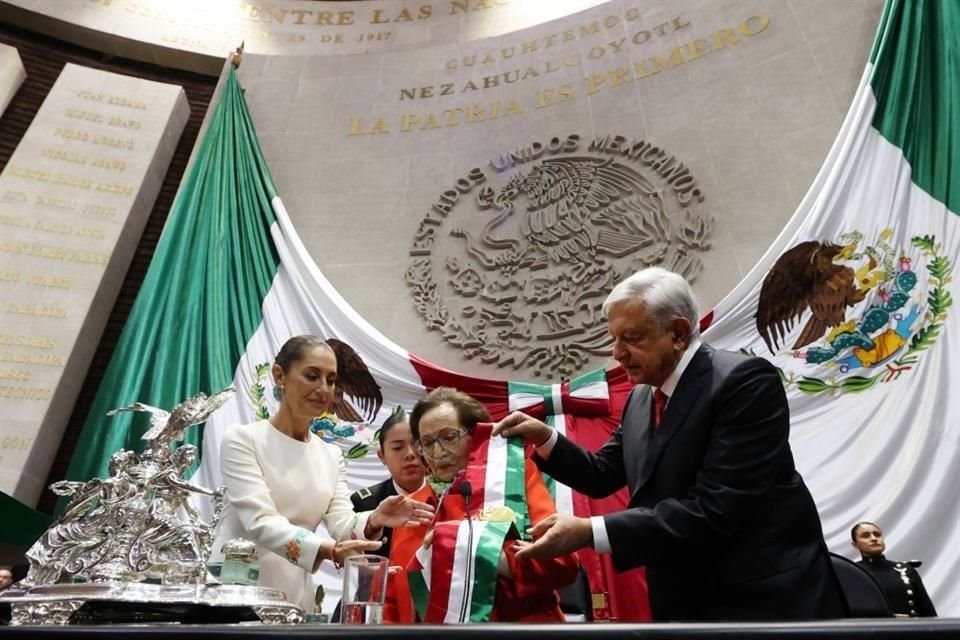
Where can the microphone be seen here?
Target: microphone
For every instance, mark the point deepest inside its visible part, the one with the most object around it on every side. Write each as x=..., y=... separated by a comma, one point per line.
x=914, y=563
x=466, y=490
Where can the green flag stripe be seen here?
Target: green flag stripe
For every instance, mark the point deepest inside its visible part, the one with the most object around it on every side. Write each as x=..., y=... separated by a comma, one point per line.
x=201, y=299
x=916, y=81
x=419, y=591
x=21, y=524
x=485, y=571
x=515, y=483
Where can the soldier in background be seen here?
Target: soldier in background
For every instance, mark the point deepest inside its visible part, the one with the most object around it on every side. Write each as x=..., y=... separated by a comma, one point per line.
x=406, y=469
x=899, y=581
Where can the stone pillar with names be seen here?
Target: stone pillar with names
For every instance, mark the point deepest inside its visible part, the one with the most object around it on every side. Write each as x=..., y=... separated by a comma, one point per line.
x=74, y=199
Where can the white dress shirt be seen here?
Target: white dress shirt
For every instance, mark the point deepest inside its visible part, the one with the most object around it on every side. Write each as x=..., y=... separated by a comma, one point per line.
x=601, y=543
x=403, y=492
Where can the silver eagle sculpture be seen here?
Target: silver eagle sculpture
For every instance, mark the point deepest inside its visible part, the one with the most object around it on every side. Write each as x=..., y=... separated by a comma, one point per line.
x=138, y=523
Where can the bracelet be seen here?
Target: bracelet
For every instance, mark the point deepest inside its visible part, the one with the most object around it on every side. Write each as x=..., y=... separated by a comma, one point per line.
x=337, y=564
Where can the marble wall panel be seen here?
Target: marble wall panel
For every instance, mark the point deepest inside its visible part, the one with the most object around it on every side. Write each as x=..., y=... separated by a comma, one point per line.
x=74, y=198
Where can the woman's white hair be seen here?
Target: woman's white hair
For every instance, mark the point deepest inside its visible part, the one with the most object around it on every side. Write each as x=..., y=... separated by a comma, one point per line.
x=665, y=294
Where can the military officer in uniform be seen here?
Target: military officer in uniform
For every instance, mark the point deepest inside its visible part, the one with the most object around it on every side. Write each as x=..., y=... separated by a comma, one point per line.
x=406, y=469
x=901, y=584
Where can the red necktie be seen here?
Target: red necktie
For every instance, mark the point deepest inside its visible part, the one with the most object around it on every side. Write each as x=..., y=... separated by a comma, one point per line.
x=659, y=406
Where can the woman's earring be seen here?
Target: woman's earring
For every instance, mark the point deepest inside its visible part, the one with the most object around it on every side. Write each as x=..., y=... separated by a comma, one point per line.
x=277, y=393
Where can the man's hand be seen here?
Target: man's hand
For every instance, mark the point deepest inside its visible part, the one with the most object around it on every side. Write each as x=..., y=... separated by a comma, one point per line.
x=400, y=511
x=556, y=535
x=521, y=425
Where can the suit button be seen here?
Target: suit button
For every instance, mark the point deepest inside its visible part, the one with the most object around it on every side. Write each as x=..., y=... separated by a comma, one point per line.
x=909, y=592
x=910, y=602
x=913, y=613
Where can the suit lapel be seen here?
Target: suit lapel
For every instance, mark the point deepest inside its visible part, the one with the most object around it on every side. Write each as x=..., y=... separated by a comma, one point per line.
x=684, y=396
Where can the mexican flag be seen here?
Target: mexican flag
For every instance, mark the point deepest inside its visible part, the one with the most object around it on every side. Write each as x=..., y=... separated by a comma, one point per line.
x=231, y=281
x=854, y=302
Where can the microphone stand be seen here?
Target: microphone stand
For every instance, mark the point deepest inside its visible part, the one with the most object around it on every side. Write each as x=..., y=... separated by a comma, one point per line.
x=466, y=490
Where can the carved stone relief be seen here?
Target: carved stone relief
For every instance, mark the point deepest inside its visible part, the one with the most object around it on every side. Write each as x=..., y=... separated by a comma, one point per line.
x=513, y=262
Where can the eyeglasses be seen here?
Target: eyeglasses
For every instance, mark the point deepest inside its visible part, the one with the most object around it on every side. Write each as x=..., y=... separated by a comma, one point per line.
x=448, y=441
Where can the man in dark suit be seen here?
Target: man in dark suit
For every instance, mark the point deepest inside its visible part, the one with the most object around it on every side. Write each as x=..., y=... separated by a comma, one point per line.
x=406, y=469
x=718, y=514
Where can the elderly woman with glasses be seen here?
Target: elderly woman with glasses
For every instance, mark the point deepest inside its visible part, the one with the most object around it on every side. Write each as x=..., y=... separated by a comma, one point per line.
x=443, y=424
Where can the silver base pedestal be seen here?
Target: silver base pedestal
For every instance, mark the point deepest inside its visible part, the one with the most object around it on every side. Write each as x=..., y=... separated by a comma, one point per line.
x=58, y=604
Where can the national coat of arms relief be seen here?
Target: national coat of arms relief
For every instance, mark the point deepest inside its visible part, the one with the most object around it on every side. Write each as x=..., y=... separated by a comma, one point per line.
x=512, y=263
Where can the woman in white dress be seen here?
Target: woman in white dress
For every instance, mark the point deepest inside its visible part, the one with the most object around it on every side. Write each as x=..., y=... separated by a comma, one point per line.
x=283, y=481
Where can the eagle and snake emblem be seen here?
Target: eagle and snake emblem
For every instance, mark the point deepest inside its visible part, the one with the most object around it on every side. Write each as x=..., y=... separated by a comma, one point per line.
x=859, y=310
x=524, y=285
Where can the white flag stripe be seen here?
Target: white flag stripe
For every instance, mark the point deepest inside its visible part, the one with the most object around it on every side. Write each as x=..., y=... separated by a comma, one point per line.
x=464, y=567
x=889, y=454
x=592, y=390
x=563, y=494
x=520, y=401
x=425, y=558
x=493, y=480
x=556, y=396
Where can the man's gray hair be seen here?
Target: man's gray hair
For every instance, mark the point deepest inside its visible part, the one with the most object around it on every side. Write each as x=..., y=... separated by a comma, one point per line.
x=666, y=294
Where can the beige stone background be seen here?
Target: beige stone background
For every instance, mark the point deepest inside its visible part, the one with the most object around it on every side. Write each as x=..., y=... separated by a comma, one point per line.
x=753, y=121
x=72, y=209
x=197, y=35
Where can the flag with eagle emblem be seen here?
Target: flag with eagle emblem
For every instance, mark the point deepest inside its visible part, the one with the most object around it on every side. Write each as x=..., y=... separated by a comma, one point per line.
x=854, y=303
x=231, y=281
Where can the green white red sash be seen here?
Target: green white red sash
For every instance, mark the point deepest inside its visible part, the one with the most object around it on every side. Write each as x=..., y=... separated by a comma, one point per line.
x=455, y=580
x=496, y=469
x=587, y=395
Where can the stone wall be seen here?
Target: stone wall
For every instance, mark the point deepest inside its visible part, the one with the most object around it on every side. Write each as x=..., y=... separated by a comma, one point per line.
x=682, y=134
